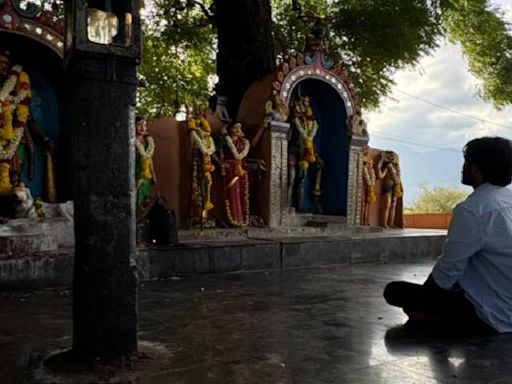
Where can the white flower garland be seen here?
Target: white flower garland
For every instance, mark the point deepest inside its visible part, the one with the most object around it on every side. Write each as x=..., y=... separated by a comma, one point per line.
x=9, y=85
x=238, y=155
x=205, y=143
x=10, y=149
x=307, y=133
x=146, y=152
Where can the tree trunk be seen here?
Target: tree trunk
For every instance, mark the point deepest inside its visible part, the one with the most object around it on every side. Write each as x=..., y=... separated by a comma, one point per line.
x=246, y=48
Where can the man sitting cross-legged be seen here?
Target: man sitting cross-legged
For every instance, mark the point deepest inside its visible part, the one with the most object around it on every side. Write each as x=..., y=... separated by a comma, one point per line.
x=470, y=285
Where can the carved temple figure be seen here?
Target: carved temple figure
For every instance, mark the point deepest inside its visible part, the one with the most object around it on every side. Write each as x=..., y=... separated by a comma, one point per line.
x=221, y=109
x=357, y=126
x=302, y=147
x=145, y=177
x=369, y=193
x=276, y=109
x=233, y=156
x=18, y=130
x=388, y=171
x=203, y=148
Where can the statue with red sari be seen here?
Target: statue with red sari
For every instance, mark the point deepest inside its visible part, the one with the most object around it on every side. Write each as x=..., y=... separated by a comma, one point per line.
x=233, y=153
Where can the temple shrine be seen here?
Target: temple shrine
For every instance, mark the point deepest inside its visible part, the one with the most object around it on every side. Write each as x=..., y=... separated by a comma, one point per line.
x=302, y=157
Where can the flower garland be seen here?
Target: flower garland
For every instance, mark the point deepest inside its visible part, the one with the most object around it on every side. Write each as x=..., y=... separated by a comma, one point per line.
x=6, y=153
x=239, y=156
x=205, y=143
x=5, y=183
x=146, y=154
x=202, y=140
x=8, y=103
x=11, y=136
x=308, y=128
x=369, y=179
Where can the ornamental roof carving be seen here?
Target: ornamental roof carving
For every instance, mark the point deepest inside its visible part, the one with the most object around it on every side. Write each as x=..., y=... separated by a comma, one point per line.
x=44, y=23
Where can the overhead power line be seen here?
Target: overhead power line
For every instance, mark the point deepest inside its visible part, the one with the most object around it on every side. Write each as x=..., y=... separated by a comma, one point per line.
x=414, y=143
x=454, y=111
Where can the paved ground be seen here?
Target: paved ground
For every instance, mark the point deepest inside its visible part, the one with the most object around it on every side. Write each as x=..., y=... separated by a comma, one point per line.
x=307, y=326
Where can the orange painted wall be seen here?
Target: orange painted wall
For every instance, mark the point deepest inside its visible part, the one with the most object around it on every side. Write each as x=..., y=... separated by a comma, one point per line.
x=427, y=220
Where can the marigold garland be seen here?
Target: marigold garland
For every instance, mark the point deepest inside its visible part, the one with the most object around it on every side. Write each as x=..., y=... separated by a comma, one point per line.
x=369, y=179
x=307, y=127
x=202, y=141
x=7, y=152
x=5, y=182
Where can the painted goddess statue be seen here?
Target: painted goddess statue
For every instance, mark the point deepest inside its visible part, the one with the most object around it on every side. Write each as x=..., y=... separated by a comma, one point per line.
x=144, y=172
x=233, y=157
x=389, y=171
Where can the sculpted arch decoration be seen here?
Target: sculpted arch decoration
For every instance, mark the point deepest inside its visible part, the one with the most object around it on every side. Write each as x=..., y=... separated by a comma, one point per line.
x=30, y=20
x=315, y=66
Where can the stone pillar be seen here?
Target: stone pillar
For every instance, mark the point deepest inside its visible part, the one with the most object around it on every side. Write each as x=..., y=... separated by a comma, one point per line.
x=278, y=172
x=102, y=114
x=355, y=185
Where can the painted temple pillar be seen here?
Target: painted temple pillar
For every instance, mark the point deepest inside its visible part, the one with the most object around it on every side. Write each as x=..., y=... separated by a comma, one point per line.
x=278, y=185
x=355, y=181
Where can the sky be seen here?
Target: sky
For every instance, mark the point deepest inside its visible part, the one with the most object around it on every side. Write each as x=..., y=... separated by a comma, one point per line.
x=424, y=113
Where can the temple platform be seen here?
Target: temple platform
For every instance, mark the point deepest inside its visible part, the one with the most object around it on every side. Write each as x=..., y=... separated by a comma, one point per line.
x=226, y=250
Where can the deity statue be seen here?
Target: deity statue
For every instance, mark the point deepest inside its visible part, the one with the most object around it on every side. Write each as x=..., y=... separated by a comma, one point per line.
x=203, y=148
x=233, y=157
x=357, y=126
x=18, y=130
x=369, y=193
x=276, y=109
x=388, y=171
x=301, y=146
x=144, y=172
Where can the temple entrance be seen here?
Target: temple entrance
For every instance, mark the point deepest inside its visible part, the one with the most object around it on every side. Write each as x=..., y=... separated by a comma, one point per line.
x=322, y=187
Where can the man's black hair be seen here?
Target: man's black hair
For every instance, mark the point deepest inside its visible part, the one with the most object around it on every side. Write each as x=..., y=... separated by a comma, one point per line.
x=492, y=156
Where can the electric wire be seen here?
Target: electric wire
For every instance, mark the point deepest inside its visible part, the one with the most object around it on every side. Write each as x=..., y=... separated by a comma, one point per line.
x=453, y=111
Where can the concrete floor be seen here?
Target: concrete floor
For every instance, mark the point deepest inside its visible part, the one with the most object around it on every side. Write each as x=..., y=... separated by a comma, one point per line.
x=314, y=326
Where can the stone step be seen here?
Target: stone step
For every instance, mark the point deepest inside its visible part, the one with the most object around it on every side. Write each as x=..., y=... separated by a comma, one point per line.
x=23, y=236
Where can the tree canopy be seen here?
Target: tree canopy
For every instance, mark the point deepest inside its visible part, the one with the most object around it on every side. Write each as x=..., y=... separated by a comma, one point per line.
x=437, y=199
x=371, y=38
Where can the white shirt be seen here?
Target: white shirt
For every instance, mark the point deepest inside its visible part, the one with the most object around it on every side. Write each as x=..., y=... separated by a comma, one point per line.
x=478, y=254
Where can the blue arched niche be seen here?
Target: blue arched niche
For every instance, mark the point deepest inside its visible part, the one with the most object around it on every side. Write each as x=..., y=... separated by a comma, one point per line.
x=45, y=111
x=332, y=144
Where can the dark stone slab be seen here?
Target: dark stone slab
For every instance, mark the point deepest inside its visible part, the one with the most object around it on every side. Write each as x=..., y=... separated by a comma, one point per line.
x=315, y=253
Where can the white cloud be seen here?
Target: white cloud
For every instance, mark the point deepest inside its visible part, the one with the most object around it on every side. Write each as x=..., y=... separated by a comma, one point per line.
x=429, y=102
